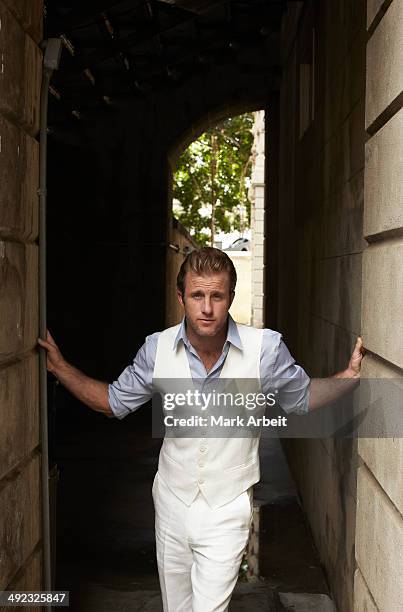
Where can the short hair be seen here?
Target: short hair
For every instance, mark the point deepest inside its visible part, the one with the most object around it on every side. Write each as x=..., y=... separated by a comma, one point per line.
x=203, y=261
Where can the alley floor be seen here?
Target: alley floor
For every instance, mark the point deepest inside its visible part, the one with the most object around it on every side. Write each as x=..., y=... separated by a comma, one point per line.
x=105, y=536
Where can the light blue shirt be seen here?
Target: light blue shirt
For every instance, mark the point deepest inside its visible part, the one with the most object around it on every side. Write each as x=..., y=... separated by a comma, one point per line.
x=134, y=386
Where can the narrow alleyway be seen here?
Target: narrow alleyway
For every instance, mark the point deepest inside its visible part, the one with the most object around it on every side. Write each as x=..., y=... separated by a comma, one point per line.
x=105, y=542
x=138, y=81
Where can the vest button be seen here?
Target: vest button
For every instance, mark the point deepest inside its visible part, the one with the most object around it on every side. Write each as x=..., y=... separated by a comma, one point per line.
x=201, y=480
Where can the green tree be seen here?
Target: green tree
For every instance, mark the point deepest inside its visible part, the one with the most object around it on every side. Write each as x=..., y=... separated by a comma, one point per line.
x=211, y=180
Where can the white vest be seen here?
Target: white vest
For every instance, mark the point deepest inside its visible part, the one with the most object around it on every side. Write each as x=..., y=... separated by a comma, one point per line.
x=222, y=468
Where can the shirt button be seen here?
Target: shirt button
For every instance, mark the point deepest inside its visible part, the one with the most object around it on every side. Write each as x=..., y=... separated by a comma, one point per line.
x=203, y=449
x=201, y=480
x=201, y=464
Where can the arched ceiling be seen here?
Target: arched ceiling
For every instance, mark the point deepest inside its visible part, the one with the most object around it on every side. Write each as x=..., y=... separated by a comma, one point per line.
x=115, y=51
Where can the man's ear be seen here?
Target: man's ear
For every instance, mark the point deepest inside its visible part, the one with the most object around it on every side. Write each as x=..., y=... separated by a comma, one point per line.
x=180, y=298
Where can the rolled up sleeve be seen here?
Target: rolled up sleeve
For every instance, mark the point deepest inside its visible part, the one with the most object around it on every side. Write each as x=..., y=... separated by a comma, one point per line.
x=134, y=387
x=289, y=380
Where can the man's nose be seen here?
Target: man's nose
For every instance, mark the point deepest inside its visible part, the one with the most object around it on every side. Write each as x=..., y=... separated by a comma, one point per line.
x=207, y=306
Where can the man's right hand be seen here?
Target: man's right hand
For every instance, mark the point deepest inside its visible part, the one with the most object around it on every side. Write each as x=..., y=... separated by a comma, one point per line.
x=89, y=391
x=55, y=359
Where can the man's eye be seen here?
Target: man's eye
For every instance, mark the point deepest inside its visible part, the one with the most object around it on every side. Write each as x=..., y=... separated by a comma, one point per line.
x=217, y=298
x=197, y=296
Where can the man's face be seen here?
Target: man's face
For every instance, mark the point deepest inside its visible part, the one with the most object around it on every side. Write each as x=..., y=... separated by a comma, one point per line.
x=206, y=301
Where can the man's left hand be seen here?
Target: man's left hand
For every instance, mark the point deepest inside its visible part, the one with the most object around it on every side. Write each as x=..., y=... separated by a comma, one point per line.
x=354, y=365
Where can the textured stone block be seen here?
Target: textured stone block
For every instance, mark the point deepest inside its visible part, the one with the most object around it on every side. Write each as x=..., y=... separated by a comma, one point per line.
x=258, y=251
x=384, y=457
x=259, y=201
x=385, y=63
x=259, y=215
x=382, y=322
x=379, y=542
x=344, y=154
x=29, y=14
x=20, y=519
x=30, y=108
x=345, y=88
x=340, y=291
x=20, y=74
x=19, y=415
x=30, y=579
x=342, y=220
x=325, y=347
x=373, y=7
x=383, y=170
x=19, y=180
x=344, y=23
x=18, y=298
x=335, y=44
x=258, y=238
x=363, y=601
x=258, y=289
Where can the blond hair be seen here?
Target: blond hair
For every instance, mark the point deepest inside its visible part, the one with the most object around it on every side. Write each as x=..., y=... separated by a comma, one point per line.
x=203, y=261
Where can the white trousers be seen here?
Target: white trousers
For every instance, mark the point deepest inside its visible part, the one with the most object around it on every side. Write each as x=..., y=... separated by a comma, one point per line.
x=199, y=550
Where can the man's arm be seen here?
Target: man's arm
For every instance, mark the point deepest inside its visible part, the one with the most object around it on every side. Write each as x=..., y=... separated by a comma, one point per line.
x=327, y=390
x=89, y=391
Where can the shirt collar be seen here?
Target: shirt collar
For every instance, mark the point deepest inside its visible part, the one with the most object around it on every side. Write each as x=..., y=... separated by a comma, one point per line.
x=233, y=336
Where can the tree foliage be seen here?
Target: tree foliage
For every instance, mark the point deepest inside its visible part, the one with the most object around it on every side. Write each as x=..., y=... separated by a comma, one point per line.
x=212, y=178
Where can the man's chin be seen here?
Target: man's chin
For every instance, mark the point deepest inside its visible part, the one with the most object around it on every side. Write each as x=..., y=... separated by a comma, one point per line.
x=206, y=329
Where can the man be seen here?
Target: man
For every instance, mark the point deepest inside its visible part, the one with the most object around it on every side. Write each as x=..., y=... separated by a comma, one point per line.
x=203, y=487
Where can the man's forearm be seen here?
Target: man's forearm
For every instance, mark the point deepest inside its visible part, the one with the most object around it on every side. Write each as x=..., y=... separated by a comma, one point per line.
x=327, y=390
x=89, y=391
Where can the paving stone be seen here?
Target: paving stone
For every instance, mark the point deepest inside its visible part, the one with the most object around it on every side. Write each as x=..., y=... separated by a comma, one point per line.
x=250, y=596
x=306, y=602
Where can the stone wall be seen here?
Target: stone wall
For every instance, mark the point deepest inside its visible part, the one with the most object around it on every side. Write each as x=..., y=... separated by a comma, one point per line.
x=241, y=308
x=322, y=136
x=178, y=237
x=256, y=195
x=20, y=78
x=379, y=524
